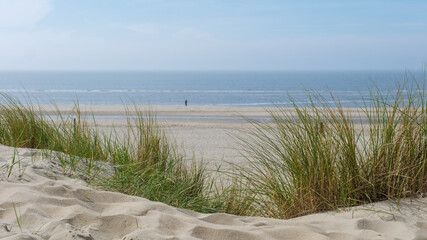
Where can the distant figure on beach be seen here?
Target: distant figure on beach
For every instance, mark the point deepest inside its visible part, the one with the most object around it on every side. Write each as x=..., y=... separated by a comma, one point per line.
x=186, y=102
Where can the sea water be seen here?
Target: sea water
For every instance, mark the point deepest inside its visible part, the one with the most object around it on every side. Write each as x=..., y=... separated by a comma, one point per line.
x=202, y=88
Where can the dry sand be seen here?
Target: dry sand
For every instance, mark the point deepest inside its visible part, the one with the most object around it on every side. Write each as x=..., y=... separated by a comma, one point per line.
x=206, y=132
x=47, y=204
x=37, y=201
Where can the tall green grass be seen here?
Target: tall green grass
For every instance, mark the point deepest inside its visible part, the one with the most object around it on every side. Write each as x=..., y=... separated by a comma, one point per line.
x=322, y=159
x=145, y=163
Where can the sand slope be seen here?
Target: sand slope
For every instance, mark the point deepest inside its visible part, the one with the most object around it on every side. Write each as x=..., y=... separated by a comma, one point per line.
x=50, y=205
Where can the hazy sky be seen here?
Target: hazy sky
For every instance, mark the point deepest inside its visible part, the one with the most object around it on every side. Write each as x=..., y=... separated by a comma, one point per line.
x=212, y=34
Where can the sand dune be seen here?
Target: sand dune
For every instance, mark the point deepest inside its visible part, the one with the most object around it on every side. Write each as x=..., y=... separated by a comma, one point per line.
x=48, y=204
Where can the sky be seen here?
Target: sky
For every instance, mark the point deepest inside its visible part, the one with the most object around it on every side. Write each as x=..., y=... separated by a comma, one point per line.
x=212, y=34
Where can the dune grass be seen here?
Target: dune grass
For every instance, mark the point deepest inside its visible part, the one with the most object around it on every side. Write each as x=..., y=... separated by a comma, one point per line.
x=145, y=163
x=322, y=159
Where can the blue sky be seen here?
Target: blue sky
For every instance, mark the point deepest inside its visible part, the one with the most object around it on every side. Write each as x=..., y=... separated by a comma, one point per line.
x=212, y=35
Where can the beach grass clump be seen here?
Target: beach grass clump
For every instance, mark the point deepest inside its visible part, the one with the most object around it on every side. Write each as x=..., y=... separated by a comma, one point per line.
x=145, y=163
x=320, y=156
x=29, y=126
x=23, y=127
x=154, y=169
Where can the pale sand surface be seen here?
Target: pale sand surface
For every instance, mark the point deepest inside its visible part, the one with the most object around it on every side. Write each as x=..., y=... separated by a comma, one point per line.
x=206, y=132
x=49, y=205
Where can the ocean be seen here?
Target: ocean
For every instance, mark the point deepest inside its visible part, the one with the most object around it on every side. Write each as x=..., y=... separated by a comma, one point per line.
x=232, y=88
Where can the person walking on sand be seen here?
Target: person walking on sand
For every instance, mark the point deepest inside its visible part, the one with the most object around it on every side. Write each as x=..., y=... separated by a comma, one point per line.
x=186, y=102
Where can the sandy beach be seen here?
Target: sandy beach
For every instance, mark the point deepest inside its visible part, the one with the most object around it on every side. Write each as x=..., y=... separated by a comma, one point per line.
x=206, y=132
x=203, y=132
x=38, y=201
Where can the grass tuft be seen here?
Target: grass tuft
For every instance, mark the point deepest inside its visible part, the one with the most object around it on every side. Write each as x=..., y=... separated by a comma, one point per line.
x=323, y=158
